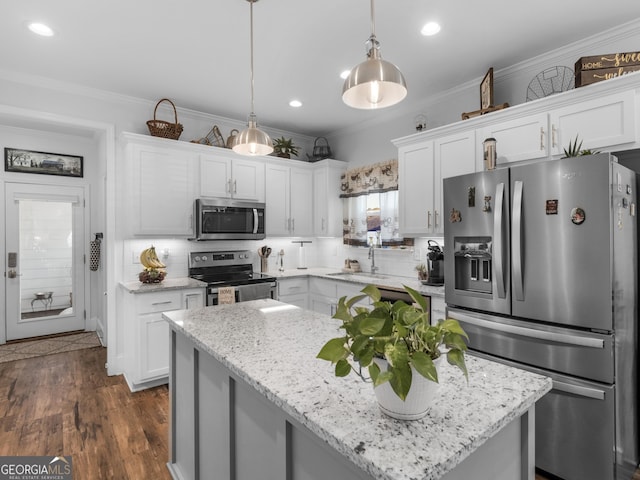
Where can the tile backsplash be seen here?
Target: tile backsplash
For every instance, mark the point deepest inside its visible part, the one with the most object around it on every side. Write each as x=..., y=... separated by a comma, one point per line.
x=321, y=252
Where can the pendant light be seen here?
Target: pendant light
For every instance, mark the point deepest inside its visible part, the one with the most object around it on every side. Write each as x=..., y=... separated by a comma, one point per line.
x=375, y=83
x=252, y=140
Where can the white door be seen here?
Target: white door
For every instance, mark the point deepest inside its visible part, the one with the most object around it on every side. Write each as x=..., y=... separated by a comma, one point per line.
x=45, y=249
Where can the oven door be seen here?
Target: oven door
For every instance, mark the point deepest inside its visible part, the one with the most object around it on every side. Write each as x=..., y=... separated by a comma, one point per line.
x=223, y=219
x=244, y=293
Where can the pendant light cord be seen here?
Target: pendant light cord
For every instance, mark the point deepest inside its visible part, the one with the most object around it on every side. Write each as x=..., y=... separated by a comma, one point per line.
x=373, y=20
x=251, y=2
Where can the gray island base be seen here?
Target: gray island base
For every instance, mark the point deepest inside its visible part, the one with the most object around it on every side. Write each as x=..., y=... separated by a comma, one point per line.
x=250, y=401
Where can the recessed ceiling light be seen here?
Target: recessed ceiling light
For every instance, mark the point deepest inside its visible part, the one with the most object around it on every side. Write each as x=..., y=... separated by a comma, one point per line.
x=345, y=74
x=295, y=103
x=40, y=29
x=430, y=28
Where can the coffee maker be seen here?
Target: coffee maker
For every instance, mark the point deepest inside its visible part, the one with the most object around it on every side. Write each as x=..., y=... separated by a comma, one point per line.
x=435, y=263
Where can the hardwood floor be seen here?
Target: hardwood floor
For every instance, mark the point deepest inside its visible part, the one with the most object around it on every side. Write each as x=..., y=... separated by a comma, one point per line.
x=65, y=404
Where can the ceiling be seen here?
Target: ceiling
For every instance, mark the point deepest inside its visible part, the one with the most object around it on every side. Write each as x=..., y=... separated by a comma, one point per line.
x=196, y=52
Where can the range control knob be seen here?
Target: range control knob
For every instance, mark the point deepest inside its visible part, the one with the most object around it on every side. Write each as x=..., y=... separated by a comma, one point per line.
x=196, y=259
x=204, y=258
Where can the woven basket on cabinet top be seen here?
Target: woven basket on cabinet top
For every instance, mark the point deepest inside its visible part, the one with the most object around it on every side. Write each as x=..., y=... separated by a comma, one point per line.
x=160, y=128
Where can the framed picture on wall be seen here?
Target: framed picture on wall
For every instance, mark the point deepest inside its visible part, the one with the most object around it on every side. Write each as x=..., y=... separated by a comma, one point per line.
x=29, y=161
x=486, y=90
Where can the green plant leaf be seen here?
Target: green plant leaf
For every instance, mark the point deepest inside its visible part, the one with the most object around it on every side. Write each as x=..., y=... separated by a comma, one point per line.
x=354, y=300
x=374, y=371
x=453, y=326
x=401, y=380
x=417, y=298
x=372, y=292
x=456, y=357
x=343, y=368
x=425, y=366
x=334, y=350
x=371, y=325
x=383, y=377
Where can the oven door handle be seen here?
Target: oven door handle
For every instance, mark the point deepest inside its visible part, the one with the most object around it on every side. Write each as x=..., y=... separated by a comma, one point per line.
x=529, y=332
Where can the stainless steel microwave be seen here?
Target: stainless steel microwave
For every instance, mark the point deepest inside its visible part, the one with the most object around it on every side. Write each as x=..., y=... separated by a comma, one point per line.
x=224, y=219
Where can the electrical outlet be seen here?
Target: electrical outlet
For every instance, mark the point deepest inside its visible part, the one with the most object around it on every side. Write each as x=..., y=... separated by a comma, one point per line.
x=135, y=257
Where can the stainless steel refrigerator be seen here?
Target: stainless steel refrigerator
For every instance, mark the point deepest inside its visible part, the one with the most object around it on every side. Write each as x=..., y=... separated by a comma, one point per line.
x=540, y=269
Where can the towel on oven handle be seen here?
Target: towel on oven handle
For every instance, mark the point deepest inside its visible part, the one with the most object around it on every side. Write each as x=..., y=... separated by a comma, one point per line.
x=226, y=295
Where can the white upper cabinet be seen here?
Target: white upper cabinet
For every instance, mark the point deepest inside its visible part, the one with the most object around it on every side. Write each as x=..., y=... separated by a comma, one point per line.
x=288, y=198
x=421, y=168
x=599, y=123
x=162, y=189
x=327, y=205
x=454, y=155
x=524, y=138
x=603, y=116
x=239, y=178
x=415, y=189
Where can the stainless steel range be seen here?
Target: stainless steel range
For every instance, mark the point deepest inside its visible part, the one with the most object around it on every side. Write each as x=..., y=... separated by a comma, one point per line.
x=231, y=269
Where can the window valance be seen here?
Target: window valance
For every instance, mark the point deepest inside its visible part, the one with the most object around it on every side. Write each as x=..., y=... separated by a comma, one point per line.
x=377, y=178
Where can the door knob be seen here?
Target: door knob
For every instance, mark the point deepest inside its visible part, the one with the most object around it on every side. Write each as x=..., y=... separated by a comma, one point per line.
x=11, y=273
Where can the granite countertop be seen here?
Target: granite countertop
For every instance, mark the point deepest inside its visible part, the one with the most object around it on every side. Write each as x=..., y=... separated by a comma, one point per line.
x=166, y=284
x=381, y=280
x=272, y=346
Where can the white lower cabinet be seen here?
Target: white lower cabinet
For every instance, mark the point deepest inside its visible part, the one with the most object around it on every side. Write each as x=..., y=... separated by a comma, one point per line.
x=147, y=333
x=294, y=291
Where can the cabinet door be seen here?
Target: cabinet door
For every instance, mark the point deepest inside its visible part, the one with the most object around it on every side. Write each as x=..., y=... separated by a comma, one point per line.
x=599, y=123
x=415, y=194
x=324, y=305
x=231, y=178
x=301, y=197
x=193, y=299
x=248, y=180
x=215, y=176
x=327, y=205
x=164, y=189
x=277, y=194
x=523, y=138
x=300, y=300
x=454, y=155
x=154, y=354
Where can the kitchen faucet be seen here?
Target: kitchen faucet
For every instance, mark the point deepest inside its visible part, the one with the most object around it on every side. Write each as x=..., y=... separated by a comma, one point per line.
x=372, y=257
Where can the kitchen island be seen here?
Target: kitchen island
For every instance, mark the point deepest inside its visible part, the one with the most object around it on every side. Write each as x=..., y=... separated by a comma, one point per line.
x=249, y=400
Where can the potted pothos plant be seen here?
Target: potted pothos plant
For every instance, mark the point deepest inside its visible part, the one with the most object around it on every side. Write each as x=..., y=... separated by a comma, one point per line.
x=397, y=336
x=284, y=147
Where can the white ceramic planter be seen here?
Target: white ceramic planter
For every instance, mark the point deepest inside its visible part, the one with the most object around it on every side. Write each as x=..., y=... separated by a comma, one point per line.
x=418, y=401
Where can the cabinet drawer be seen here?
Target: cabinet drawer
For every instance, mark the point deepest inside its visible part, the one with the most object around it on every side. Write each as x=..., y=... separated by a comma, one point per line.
x=292, y=286
x=158, y=302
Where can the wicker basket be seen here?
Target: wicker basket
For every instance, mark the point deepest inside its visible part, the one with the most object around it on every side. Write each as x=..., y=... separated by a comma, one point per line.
x=160, y=128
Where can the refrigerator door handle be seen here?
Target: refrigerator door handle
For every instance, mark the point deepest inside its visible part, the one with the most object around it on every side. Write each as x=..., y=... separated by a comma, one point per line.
x=517, y=241
x=578, y=390
x=498, y=238
x=529, y=332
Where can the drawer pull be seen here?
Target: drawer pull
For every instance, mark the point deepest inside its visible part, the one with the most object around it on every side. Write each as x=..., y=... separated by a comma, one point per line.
x=162, y=303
